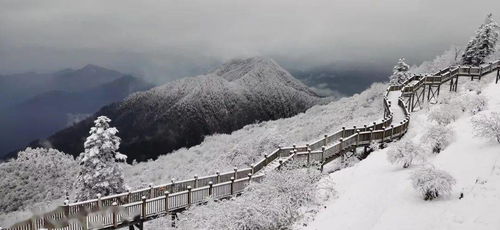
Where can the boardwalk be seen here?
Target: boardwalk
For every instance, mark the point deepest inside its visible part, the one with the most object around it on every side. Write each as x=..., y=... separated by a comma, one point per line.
x=133, y=208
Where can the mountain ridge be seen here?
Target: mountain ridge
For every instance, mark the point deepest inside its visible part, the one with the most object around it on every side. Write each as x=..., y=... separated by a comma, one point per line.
x=45, y=113
x=180, y=113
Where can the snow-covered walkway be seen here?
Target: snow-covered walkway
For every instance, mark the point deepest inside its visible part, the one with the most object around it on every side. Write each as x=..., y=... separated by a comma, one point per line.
x=377, y=195
x=398, y=112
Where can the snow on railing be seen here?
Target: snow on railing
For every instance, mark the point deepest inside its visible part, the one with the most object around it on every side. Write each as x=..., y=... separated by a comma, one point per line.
x=120, y=209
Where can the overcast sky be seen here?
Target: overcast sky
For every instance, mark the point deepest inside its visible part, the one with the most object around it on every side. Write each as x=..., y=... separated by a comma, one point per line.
x=165, y=39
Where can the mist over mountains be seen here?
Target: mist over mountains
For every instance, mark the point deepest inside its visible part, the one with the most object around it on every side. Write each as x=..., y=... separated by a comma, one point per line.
x=34, y=105
x=341, y=80
x=180, y=113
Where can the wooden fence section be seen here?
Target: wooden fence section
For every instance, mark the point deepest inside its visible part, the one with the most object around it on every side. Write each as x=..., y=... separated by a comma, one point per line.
x=140, y=205
x=416, y=87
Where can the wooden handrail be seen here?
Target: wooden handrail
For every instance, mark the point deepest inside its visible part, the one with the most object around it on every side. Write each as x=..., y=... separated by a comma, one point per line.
x=151, y=201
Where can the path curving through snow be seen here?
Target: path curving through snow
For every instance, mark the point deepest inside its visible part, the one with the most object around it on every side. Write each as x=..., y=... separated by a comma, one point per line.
x=375, y=195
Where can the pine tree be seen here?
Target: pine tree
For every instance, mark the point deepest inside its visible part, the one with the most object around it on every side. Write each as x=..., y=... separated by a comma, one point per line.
x=101, y=173
x=483, y=43
x=399, y=73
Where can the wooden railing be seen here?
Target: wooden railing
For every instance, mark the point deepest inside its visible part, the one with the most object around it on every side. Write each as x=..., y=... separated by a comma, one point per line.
x=122, y=209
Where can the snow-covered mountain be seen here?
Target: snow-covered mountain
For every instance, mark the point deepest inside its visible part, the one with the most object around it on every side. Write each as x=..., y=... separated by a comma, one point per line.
x=179, y=114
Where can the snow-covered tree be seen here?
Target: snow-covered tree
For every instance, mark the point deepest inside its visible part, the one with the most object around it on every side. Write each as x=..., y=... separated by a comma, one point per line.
x=483, y=44
x=406, y=152
x=487, y=125
x=437, y=137
x=101, y=173
x=450, y=57
x=399, y=73
x=471, y=102
x=431, y=182
x=249, y=144
x=444, y=114
x=35, y=177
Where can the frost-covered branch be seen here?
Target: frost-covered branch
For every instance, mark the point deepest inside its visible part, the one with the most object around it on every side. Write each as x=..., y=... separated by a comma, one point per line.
x=487, y=125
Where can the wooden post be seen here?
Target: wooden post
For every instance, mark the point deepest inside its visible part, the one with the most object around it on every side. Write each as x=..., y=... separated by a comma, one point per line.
x=392, y=131
x=143, y=210
x=189, y=195
x=357, y=137
x=371, y=135
x=252, y=167
x=129, y=194
x=151, y=193
x=323, y=149
x=326, y=140
x=249, y=178
x=280, y=162
x=115, y=211
x=218, y=173
x=383, y=135
x=343, y=132
x=428, y=92
x=266, y=161
x=232, y=185
x=167, y=193
x=374, y=125
x=423, y=95
x=195, y=182
x=412, y=104
x=308, y=157
x=32, y=224
x=498, y=75
x=210, y=188
x=173, y=185
x=235, y=173
x=66, y=207
x=341, y=143
x=99, y=202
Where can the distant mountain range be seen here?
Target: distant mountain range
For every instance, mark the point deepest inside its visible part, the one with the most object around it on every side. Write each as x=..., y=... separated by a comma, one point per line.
x=181, y=113
x=35, y=105
x=341, y=80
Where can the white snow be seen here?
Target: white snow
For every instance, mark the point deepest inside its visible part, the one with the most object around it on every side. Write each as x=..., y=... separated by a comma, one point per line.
x=377, y=195
x=398, y=113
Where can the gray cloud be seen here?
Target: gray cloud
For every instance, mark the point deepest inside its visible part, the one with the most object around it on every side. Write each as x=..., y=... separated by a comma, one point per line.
x=168, y=39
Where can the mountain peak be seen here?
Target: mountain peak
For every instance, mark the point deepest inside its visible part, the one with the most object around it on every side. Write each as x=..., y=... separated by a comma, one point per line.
x=259, y=71
x=239, y=67
x=92, y=68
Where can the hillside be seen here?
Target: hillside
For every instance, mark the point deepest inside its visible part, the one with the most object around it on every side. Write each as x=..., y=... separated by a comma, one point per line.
x=181, y=113
x=374, y=194
x=66, y=97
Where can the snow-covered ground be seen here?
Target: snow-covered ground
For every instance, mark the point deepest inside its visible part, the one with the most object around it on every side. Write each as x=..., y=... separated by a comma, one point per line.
x=374, y=194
